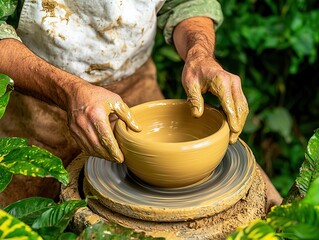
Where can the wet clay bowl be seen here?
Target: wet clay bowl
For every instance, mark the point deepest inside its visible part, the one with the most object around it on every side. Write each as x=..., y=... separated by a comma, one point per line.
x=173, y=149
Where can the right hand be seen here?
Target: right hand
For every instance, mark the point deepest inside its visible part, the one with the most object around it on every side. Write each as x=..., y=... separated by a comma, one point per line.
x=89, y=108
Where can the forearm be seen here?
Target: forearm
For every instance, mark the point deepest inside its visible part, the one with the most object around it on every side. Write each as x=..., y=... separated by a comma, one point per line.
x=195, y=36
x=194, y=39
x=34, y=76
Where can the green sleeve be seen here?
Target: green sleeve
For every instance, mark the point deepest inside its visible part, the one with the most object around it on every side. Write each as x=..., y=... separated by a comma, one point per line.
x=7, y=10
x=175, y=11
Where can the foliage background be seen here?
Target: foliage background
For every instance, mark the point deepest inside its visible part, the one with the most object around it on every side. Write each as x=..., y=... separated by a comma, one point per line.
x=273, y=46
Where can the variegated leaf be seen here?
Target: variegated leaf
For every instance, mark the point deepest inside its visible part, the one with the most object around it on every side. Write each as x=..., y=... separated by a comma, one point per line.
x=256, y=230
x=12, y=228
x=34, y=161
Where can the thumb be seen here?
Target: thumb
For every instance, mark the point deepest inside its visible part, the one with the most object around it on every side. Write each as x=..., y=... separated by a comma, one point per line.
x=125, y=114
x=195, y=99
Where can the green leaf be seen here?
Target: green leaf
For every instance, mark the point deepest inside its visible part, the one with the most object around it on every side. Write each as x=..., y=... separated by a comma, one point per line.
x=5, y=81
x=302, y=42
x=5, y=178
x=291, y=220
x=7, y=8
x=309, y=170
x=312, y=193
x=34, y=161
x=313, y=147
x=59, y=216
x=256, y=230
x=4, y=102
x=279, y=120
x=68, y=236
x=12, y=228
x=8, y=144
x=112, y=231
x=28, y=209
x=49, y=233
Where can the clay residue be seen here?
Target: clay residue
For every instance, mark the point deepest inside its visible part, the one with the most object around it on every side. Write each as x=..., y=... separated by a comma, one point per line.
x=49, y=6
x=99, y=67
x=113, y=26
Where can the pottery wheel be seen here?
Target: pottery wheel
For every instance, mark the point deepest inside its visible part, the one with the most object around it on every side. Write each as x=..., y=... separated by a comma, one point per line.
x=120, y=191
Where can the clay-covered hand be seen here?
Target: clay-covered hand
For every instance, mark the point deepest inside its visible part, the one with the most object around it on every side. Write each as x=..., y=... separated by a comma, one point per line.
x=88, y=106
x=88, y=119
x=203, y=74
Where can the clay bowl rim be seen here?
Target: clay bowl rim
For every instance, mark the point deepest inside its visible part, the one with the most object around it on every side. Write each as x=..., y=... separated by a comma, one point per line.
x=124, y=134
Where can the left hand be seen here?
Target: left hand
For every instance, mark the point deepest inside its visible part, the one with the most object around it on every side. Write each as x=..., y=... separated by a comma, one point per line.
x=203, y=74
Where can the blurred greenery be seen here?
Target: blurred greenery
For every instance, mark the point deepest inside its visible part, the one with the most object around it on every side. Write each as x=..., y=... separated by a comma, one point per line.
x=273, y=46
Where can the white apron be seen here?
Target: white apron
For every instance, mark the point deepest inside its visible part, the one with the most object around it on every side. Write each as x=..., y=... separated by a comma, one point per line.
x=100, y=41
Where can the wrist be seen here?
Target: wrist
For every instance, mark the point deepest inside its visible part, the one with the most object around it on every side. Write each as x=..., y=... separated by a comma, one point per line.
x=199, y=51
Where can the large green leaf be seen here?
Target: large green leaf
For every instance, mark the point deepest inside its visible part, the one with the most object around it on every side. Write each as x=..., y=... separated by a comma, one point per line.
x=58, y=216
x=299, y=220
x=5, y=81
x=256, y=230
x=5, y=178
x=28, y=209
x=34, y=161
x=12, y=228
x=309, y=170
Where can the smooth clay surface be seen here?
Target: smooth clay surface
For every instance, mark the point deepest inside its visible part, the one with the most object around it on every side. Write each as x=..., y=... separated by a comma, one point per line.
x=173, y=149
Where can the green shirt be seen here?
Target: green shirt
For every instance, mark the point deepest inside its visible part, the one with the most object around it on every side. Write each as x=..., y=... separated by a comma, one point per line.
x=172, y=12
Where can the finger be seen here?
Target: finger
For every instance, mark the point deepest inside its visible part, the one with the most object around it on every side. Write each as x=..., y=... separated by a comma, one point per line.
x=108, y=141
x=89, y=143
x=233, y=137
x=195, y=98
x=221, y=88
x=241, y=105
x=125, y=114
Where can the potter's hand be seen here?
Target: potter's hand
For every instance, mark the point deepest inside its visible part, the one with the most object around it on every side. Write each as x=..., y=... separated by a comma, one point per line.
x=87, y=106
x=201, y=74
x=90, y=107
